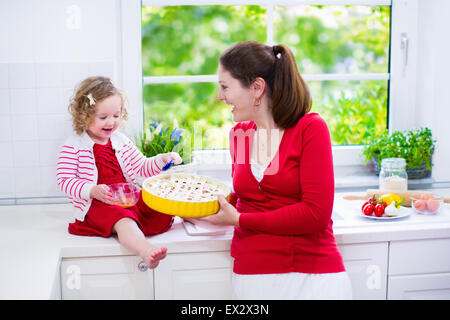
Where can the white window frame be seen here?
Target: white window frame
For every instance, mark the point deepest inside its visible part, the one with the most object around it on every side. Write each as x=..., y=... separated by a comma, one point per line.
x=402, y=85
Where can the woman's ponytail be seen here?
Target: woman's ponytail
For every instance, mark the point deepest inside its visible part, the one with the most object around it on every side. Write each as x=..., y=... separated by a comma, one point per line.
x=290, y=95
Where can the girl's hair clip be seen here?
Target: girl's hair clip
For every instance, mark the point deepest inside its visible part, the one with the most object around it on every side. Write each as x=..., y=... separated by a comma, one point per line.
x=91, y=99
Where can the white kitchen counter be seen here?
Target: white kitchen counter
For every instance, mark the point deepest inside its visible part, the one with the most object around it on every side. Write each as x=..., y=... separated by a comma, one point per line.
x=34, y=239
x=356, y=228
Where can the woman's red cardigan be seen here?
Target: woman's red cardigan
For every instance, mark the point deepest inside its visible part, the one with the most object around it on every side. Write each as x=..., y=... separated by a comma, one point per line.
x=285, y=221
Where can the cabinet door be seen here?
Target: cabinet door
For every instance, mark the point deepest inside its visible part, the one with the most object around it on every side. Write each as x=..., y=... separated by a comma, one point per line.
x=199, y=275
x=105, y=278
x=422, y=287
x=419, y=256
x=366, y=265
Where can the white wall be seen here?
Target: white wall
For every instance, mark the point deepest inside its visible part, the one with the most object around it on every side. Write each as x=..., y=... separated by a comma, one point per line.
x=46, y=47
x=433, y=80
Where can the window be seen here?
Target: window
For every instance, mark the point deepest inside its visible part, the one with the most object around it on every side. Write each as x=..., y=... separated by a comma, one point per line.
x=342, y=52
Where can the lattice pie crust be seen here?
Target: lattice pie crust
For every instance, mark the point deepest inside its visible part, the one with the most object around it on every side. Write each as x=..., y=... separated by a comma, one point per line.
x=185, y=187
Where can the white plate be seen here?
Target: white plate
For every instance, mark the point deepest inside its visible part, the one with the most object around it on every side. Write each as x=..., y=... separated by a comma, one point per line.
x=403, y=212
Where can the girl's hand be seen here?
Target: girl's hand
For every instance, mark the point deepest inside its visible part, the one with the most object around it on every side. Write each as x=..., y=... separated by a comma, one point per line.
x=166, y=157
x=227, y=214
x=102, y=193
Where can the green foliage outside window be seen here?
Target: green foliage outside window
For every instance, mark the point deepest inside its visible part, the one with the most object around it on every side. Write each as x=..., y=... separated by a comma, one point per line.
x=188, y=40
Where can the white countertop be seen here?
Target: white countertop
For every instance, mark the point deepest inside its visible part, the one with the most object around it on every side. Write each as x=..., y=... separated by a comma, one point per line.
x=356, y=228
x=34, y=239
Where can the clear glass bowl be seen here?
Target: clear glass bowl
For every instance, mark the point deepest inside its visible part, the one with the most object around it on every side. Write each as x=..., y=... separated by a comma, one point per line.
x=427, y=205
x=125, y=194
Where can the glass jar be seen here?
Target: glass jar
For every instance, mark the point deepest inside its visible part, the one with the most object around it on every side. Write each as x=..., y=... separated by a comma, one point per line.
x=393, y=177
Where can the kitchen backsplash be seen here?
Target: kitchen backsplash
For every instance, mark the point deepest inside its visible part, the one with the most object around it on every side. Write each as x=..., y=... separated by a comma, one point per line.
x=34, y=122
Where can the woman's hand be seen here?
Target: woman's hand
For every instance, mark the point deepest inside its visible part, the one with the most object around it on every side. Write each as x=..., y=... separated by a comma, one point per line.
x=102, y=193
x=227, y=214
x=166, y=157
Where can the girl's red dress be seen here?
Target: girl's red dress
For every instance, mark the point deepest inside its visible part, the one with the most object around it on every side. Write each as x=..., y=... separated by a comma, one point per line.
x=101, y=217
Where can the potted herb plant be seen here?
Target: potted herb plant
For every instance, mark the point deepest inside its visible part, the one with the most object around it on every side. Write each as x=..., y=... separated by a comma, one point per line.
x=415, y=146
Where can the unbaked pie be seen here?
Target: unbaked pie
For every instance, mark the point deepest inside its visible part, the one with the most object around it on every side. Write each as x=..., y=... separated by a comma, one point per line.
x=183, y=194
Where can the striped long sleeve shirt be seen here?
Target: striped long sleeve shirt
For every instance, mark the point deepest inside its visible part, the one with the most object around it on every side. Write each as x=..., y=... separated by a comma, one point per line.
x=77, y=173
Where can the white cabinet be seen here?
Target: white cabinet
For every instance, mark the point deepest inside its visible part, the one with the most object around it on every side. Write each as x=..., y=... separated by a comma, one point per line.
x=419, y=269
x=419, y=256
x=194, y=275
x=117, y=277
x=366, y=265
x=420, y=287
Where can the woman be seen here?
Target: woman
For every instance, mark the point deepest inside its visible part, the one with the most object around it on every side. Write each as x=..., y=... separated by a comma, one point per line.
x=283, y=244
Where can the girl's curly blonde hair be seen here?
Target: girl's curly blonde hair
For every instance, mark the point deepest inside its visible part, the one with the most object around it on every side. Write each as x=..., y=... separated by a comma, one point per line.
x=82, y=108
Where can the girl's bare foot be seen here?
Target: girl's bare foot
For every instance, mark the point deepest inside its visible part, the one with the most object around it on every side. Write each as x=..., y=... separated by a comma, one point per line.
x=153, y=255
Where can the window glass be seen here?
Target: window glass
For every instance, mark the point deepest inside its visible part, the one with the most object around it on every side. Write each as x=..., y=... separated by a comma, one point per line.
x=335, y=39
x=353, y=110
x=188, y=40
x=196, y=109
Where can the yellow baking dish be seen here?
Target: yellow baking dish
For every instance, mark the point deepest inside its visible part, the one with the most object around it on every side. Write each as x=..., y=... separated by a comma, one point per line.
x=168, y=193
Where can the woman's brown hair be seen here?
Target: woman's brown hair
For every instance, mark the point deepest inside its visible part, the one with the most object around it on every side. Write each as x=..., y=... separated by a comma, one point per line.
x=87, y=94
x=290, y=95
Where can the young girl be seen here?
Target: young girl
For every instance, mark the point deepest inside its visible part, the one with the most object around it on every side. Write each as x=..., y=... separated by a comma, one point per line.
x=97, y=155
